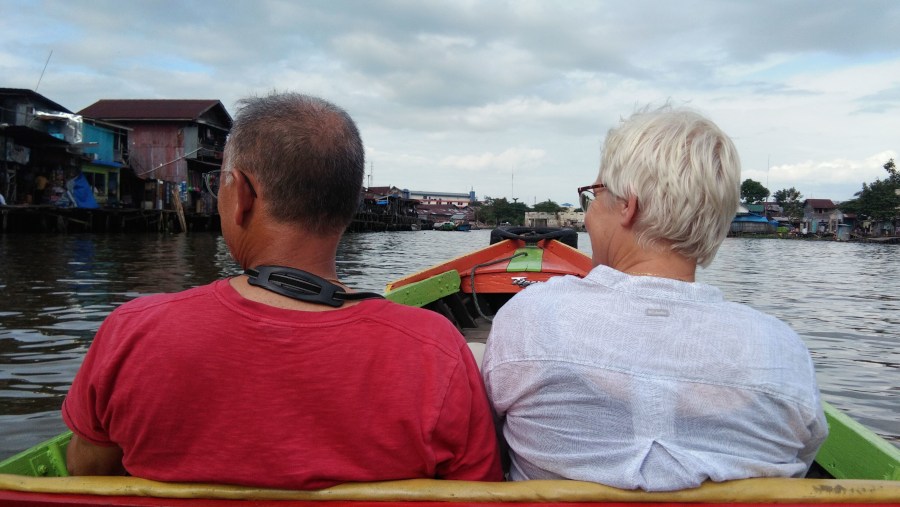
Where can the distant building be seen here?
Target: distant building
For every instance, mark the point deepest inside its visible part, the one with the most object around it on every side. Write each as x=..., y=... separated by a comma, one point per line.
x=105, y=154
x=817, y=213
x=442, y=198
x=169, y=141
x=749, y=220
x=40, y=147
x=567, y=218
x=385, y=209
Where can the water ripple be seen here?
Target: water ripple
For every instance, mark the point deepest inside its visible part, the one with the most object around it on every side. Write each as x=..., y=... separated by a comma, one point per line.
x=843, y=300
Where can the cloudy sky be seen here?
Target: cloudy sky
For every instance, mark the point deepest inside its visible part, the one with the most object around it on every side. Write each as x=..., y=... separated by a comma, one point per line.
x=509, y=98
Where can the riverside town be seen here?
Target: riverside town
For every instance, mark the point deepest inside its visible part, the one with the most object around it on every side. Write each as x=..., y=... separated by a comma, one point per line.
x=138, y=165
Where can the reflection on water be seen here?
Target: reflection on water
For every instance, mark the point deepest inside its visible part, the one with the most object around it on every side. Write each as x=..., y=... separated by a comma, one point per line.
x=843, y=299
x=55, y=291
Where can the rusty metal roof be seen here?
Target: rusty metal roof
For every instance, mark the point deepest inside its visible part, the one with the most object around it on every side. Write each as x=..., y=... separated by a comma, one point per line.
x=150, y=109
x=820, y=203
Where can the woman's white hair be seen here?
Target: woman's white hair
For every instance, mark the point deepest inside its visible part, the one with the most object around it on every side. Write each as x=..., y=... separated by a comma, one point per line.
x=684, y=172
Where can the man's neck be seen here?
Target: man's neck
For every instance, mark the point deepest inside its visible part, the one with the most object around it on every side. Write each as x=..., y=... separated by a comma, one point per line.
x=287, y=246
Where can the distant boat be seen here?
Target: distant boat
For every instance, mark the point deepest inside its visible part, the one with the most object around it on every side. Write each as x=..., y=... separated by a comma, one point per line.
x=445, y=226
x=465, y=227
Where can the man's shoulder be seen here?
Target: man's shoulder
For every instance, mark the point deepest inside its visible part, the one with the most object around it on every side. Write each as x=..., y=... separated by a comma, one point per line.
x=163, y=301
x=410, y=316
x=422, y=324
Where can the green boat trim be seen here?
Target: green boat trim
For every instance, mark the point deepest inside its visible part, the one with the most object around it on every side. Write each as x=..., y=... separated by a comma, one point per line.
x=853, y=451
x=529, y=258
x=47, y=459
x=427, y=291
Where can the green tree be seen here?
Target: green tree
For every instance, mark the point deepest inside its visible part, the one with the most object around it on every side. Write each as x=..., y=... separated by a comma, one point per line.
x=752, y=192
x=547, y=206
x=891, y=169
x=878, y=200
x=484, y=211
x=790, y=201
x=501, y=210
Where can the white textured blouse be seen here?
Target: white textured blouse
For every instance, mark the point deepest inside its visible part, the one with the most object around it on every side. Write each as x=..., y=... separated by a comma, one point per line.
x=651, y=383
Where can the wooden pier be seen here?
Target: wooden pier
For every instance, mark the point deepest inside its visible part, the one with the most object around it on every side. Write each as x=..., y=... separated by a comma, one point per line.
x=882, y=240
x=52, y=219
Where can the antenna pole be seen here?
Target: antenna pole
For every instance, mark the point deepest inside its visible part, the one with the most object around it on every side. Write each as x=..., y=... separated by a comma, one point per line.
x=43, y=70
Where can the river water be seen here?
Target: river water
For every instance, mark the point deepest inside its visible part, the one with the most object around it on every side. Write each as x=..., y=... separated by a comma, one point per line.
x=843, y=299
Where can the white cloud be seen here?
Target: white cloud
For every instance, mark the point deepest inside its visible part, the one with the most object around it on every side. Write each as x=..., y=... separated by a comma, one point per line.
x=510, y=159
x=454, y=95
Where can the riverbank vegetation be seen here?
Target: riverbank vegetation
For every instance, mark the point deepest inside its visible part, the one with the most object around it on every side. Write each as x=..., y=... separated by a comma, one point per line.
x=501, y=211
x=879, y=200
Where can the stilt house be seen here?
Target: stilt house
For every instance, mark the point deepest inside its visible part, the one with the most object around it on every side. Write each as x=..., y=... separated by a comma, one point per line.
x=171, y=143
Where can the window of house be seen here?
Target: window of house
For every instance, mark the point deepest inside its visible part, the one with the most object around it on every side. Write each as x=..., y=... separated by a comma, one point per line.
x=99, y=182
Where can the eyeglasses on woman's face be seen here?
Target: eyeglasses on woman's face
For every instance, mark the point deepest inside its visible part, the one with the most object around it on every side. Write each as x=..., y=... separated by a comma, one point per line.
x=586, y=195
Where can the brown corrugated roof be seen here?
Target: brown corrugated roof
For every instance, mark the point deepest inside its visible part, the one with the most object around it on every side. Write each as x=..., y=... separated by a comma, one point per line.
x=820, y=203
x=148, y=109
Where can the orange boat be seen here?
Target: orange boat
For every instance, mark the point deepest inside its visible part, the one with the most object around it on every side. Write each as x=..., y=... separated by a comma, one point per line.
x=470, y=289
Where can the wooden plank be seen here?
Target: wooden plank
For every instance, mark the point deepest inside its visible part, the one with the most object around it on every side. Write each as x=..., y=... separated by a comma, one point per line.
x=546, y=492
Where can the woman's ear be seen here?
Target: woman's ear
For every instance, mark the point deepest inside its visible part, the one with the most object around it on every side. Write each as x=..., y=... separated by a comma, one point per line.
x=628, y=210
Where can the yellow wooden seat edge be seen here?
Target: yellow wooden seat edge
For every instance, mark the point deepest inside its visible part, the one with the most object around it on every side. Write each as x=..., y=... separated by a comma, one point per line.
x=739, y=491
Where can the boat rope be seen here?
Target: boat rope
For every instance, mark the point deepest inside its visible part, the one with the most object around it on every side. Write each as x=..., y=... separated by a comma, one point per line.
x=472, y=281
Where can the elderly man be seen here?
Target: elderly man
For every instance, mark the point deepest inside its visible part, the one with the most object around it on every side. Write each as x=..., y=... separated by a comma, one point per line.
x=637, y=376
x=282, y=377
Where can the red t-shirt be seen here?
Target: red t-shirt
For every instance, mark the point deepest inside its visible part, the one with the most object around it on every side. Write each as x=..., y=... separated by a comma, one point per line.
x=206, y=386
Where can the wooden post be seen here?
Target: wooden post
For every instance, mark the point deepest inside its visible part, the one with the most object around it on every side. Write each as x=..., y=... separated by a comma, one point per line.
x=178, y=209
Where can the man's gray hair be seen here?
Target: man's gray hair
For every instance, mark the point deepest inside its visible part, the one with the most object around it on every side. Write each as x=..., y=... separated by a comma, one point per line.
x=307, y=156
x=684, y=172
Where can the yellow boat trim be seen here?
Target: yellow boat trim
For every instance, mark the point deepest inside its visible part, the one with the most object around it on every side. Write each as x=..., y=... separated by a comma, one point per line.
x=424, y=490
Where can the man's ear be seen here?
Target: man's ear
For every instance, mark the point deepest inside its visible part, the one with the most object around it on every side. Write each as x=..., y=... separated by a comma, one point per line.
x=628, y=211
x=245, y=198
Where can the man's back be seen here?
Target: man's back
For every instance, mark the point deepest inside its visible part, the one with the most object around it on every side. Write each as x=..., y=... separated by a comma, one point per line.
x=206, y=386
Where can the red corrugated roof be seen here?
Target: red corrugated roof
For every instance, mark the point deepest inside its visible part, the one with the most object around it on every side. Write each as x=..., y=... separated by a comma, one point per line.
x=148, y=109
